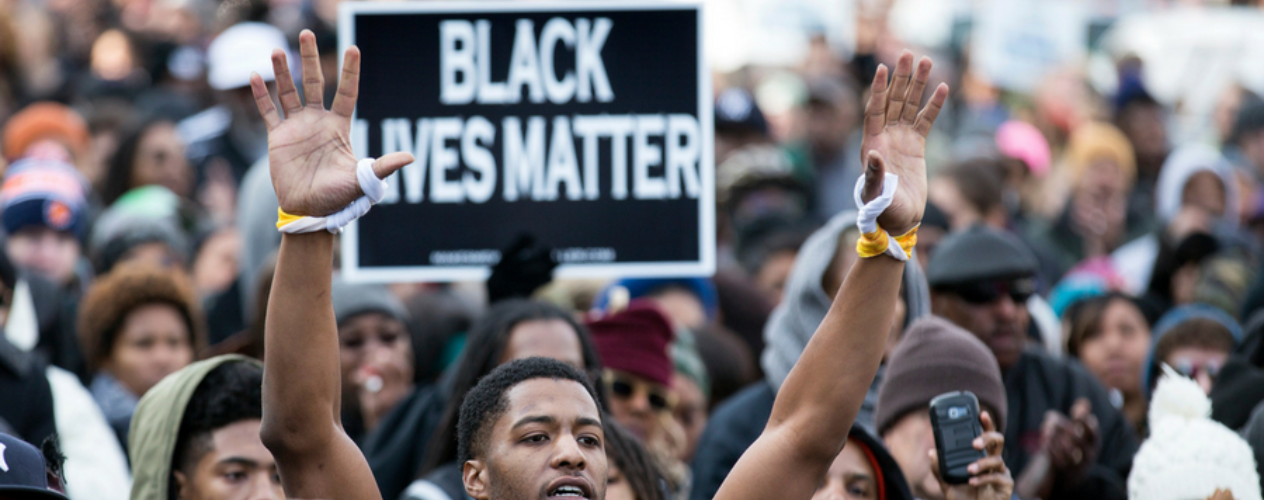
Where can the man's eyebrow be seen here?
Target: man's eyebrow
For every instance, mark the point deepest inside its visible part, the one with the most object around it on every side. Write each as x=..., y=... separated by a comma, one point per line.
x=534, y=419
x=243, y=461
x=588, y=421
x=861, y=476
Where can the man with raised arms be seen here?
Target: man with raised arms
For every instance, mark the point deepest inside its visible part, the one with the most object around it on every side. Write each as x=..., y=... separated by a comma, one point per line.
x=539, y=434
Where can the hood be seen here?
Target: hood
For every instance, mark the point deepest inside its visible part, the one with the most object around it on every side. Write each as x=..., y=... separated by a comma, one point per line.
x=1174, y=317
x=805, y=303
x=1183, y=164
x=156, y=424
x=893, y=485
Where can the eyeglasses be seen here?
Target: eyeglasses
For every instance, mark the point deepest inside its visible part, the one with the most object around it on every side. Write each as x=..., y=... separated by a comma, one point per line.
x=1190, y=369
x=625, y=387
x=987, y=292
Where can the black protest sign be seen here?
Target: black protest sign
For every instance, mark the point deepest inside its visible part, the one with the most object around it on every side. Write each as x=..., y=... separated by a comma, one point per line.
x=585, y=125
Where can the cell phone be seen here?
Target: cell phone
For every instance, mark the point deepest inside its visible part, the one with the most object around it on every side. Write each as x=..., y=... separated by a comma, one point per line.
x=955, y=418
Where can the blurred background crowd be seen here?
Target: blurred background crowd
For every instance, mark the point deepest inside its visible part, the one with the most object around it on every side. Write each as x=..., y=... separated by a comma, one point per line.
x=1096, y=211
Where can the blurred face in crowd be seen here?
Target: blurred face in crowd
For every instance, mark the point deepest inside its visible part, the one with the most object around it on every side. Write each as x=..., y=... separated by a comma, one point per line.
x=50, y=253
x=827, y=127
x=1199, y=363
x=1205, y=190
x=546, y=338
x=774, y=274
x=375, y=341
x=1100, y=200
x=237, y=467
x=995, y=311
x=618, y=487
x=1144, y=125
x=910, y=440
x=690, y=411
x=550, y=434
x=1115, y=350
x=153, y=341
x=945, y=194
x=637, y=403
x=160, y=161
x=850, y=477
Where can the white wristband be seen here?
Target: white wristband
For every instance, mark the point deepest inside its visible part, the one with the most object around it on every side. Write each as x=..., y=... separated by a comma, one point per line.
x=374, y=190
x=867, y=213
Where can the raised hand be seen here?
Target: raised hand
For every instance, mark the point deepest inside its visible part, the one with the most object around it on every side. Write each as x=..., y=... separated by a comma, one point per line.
x=309, y=151
x=989, y=478
x=894, y=140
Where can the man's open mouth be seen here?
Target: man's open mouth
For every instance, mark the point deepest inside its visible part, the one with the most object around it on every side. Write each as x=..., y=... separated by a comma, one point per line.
x=569, y=487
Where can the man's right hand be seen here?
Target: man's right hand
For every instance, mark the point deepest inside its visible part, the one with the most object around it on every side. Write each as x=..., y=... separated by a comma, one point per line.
x=309, y=151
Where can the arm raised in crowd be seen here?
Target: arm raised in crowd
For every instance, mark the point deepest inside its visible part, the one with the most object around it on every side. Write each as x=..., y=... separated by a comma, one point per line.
x=820, y=398
x=314, y=173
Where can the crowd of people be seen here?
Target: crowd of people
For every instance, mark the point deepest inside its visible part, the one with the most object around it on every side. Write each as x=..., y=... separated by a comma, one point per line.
x=1088, y=273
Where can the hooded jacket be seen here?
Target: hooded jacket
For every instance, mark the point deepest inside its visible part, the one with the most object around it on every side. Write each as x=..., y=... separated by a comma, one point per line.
x=156, y=426
x=735, y=424
x=1135, y=259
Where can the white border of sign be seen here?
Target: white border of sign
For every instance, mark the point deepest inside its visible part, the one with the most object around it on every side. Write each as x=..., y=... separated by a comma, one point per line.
x=351, y=269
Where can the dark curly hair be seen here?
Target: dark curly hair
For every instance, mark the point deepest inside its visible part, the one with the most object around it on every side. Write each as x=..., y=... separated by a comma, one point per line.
x=486, y=402
x=634, y=461
x=483, y=353
x=230, y=393
x=124, y=289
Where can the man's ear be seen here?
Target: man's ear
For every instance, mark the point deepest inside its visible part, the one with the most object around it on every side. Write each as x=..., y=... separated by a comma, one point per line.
x=474, y=475
x=181, y=484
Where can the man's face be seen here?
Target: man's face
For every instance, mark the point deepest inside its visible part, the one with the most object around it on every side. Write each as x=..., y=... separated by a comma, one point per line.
x=237, y=467
x=50, y=253
x=637, y=403
x=850, y=477
x=548, y=445
x=994, y=311
x=910, y=441
x=690, y=411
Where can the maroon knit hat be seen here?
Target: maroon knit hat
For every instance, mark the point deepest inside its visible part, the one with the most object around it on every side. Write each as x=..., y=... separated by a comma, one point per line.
x=934, y=357
x=635, y=341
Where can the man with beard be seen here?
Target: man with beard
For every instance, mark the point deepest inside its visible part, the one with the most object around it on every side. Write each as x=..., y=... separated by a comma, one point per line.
x=1068, y=441
x=540, y=431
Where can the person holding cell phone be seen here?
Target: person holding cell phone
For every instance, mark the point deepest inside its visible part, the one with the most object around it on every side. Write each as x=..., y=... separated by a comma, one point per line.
x=936, y=357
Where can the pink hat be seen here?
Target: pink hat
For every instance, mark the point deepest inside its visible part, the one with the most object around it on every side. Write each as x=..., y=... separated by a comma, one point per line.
x=1022, y=141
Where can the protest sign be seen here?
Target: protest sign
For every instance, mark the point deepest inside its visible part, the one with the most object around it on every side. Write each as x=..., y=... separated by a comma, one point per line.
x=586, y=125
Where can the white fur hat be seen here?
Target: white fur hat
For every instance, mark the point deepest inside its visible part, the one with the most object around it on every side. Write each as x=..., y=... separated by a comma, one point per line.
x=1188, y=455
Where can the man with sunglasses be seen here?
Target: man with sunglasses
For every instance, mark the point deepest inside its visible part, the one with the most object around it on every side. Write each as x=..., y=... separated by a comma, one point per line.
x=1068, y=440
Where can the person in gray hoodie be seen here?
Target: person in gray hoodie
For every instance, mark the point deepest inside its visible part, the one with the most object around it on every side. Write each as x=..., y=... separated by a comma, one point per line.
x=822, y=263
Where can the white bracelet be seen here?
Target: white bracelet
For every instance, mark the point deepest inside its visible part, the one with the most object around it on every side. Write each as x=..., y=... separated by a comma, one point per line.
x=867, y=213
x=374, y=190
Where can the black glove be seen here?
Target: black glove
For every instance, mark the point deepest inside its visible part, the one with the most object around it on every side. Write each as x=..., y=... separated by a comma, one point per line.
x=524, y=267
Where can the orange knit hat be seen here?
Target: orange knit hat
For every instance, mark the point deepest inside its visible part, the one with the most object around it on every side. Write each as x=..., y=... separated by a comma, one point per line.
x=41, y=121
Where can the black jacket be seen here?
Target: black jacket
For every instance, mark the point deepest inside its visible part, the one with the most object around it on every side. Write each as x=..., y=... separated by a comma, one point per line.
x=739, y=421
x=1239, y=388
x=1039, y=383
x=26, y=400
x=397, y=446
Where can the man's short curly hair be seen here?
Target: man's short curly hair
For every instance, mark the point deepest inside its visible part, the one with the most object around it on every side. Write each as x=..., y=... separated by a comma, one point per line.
x=486, y=402
x=124, y=289
x=230, y=393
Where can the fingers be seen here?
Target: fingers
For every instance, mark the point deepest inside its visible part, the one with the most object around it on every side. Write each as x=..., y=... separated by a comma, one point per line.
x=263, y=101
x=999, y=480
x=926, y=118
x=914, y=97
x=875, y=174
x=934, y=464
x=991, y=442
x=985, y=419
x=1081, y=409
x=313, y=78
x=388, y=164
x=285, y=84
x=988, y=465
x=899, y=85
x=348, y=84
x=876, y=108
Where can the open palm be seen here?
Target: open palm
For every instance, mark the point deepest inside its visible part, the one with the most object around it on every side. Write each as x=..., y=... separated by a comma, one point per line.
x=894, y=140
x=309, y=152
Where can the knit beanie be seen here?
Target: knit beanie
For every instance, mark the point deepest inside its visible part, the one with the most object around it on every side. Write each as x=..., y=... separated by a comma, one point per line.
x=43, y=193
x=635, y=341
x=1188, y=455
x=1097, y=140
x=41, y=121
x=935, y=357
x=351, y=300
x=688, y=362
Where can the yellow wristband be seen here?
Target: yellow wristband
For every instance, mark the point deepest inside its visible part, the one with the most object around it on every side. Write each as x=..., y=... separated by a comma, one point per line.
x=908, y=240
x=872, y=244
x=284, y=219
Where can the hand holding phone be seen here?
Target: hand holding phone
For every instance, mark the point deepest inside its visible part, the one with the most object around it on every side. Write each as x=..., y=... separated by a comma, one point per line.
x=968, y=441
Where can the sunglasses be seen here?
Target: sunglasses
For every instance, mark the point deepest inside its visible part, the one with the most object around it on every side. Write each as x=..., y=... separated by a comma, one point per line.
x=1191, y=369
x=987, y=292
x=624, y=387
